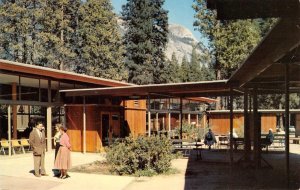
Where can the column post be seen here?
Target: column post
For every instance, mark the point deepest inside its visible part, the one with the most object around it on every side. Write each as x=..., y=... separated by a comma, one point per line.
x=287, y=123
x=9, y=128
x=84, y=126
x=49, y=128
x=231, y=126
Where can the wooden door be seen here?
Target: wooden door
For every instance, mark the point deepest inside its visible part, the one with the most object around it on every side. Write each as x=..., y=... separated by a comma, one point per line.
x=105, y=126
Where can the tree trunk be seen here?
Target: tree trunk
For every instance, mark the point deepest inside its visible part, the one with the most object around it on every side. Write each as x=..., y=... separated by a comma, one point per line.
x=61, y=66
x=219, y=99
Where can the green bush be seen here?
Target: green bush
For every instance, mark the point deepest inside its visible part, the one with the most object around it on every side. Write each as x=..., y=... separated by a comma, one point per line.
x=141, y=156
x=192, y=132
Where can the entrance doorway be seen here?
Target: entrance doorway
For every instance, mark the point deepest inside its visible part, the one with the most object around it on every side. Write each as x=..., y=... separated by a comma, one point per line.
x=105, y=127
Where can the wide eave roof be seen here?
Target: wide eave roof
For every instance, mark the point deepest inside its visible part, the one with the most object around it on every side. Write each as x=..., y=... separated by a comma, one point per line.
x=183, y=90
x=54, y=74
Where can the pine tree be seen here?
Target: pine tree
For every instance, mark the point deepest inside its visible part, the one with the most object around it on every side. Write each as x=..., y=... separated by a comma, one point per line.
x=57, y=35
x=173, y=70
x=230, y=42
x=145, y=40
x=14, y=30
x=99, y=42
x=195, y=69
x=38, y=31
x=185, y=70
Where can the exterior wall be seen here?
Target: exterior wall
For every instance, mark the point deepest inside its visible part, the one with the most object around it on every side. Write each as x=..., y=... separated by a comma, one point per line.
x=220, y=123
x=135, y=116
x=94, y=136
x=74, y=122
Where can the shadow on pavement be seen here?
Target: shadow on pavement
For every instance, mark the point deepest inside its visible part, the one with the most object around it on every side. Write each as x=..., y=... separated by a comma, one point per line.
x=214, y=172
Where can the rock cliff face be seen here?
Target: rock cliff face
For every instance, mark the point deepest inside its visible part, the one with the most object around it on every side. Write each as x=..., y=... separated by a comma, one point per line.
x=181, y=41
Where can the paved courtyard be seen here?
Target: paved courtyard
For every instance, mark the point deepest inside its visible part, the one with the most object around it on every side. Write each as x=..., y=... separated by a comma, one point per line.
x=213, y=172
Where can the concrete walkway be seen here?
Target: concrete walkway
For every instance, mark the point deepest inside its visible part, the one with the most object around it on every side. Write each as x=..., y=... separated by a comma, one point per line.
x=16, y=173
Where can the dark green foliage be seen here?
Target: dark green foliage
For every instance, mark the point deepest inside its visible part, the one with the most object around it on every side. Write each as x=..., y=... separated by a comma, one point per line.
x=72, y=35
x=145, y=40
x=99, y=44
x=141, y=156
x=230, y=42
x=173, y=70
x=195, y=68
x=185, y=70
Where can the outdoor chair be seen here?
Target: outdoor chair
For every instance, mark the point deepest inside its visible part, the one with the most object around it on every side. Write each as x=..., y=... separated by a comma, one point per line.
x=16, y=145
x=25, y=143
x=4, y=145
x=223, y=140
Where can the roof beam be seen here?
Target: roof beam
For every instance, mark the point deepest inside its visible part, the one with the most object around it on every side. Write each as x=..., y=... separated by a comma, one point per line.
x=250, y=9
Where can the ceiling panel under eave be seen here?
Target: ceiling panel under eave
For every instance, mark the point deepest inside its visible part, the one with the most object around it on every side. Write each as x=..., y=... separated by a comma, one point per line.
x=261, y=63
x=249, y=9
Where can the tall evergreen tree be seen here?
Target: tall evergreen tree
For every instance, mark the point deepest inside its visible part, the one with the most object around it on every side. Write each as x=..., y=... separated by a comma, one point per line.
x=100, y=50
x=14, y=28
x=195, y=69
x=145, y=40
x=57, y=33
x=38, y=31
x=185, y=70
x=230, y=41
x=173, y=70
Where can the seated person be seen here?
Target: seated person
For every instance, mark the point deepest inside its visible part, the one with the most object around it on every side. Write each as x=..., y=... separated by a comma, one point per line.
x=209, y=139
x=270, y=137
x=234, y=136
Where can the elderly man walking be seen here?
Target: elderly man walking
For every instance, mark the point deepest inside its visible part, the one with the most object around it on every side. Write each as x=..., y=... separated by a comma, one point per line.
x=38, y=143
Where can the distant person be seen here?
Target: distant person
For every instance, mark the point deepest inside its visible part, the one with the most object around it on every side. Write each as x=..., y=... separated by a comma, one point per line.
x=269, y=137
x=57, y=137
x=63, y=158
x=234, y=134
x=57, y=145
x=234, y=138
x=38, y=143
x=209, y=139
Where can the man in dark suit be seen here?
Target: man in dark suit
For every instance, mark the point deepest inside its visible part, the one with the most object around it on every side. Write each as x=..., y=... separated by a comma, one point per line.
x=38, y=143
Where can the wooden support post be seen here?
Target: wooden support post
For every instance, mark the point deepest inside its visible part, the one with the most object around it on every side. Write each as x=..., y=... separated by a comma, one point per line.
x=231, y=126
x=84, y=126
x=9, y=128
x=181, y=118
x=149, y=117
x=197, y=120
x=256, y=128
x=169, y=121
x=189, y=118
x=49, y=118
x=247, y=139
x=156, y=122
x=163, y=123
x=287, y=123
x=49, y=128
x=14, y=111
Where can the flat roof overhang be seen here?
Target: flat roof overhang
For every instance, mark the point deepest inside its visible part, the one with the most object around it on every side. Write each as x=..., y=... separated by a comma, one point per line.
x=22, y=69
x=174, y=90
x=249, y=9
x=265, y=66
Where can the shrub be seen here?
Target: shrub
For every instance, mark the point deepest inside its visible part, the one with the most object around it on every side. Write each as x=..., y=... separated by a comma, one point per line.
x=141, y=156
x=190, y=130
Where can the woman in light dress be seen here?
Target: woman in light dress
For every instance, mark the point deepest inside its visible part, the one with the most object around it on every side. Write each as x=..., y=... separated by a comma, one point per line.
x=63, y=158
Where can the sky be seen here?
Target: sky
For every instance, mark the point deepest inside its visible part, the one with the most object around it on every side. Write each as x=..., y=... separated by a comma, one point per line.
x=180, y=12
